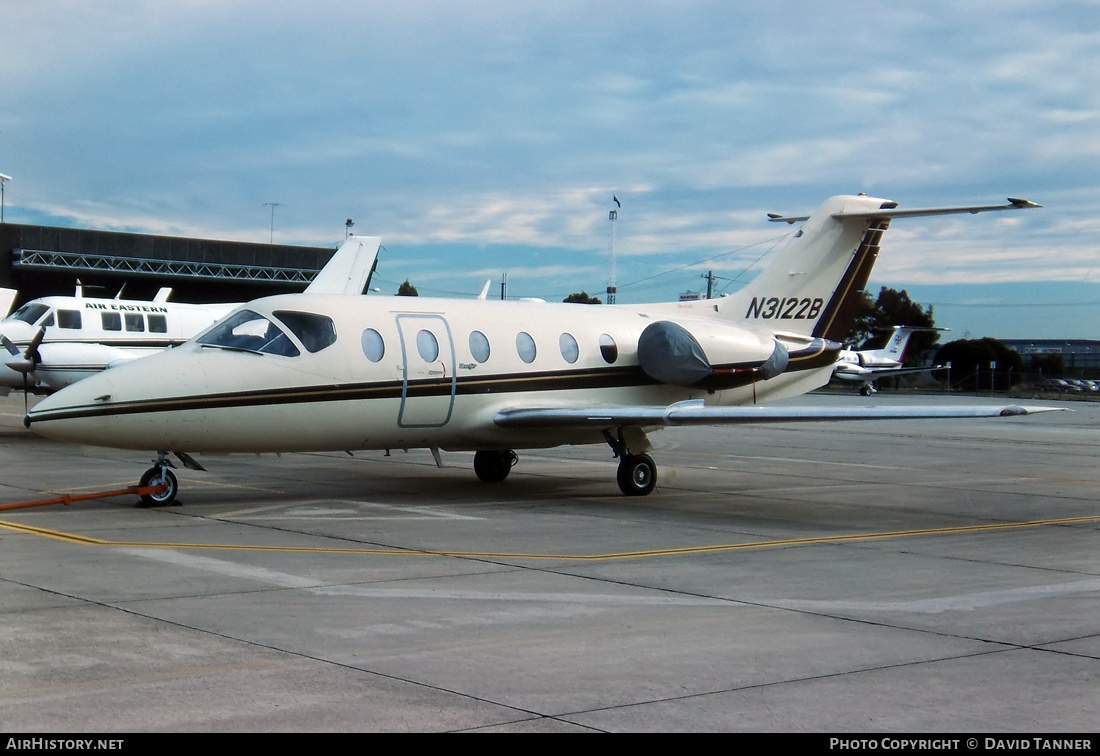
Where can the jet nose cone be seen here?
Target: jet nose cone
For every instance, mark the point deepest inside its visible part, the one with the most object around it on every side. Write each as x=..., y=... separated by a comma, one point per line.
x=57, y=415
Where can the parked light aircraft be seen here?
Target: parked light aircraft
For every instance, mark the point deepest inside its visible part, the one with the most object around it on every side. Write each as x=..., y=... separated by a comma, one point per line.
x=52, y=342
x=306, y=372
x=55, y=341
x=868, y=365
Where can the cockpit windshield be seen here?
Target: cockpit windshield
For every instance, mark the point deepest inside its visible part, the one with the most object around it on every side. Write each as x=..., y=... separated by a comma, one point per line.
x=252, y=332
x=249, y=331
x=29, y=313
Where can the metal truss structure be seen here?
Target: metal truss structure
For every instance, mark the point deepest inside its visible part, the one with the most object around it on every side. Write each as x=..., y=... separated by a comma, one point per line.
x=47, y=260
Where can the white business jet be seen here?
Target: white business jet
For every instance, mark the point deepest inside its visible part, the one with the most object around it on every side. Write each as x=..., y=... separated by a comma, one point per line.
x=868, y=365
x=311, y=372
x=55, y=341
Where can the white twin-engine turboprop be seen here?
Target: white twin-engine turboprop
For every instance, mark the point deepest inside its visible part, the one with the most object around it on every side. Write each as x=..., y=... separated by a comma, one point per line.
x=53, y=342
x=317, y=372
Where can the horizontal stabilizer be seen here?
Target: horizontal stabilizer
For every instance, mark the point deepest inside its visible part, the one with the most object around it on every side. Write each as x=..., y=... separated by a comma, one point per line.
x=1014, y=203
x=863, y=374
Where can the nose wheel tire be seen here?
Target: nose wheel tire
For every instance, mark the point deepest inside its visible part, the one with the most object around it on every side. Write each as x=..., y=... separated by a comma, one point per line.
x=156, y=476
x=637, y=475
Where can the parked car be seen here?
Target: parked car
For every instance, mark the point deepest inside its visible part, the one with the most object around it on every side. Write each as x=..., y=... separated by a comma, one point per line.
x=1055, y=384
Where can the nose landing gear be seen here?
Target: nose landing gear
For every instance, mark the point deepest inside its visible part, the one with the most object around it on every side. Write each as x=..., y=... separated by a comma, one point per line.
x=159, y=476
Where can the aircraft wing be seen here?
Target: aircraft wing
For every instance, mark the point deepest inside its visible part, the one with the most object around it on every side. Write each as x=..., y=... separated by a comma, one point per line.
x=864, y=374
x=694, y=412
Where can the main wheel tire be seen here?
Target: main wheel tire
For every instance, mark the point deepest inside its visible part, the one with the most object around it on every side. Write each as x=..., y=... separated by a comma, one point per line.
x=493, y=466
x=637, y=475
x=156, y=476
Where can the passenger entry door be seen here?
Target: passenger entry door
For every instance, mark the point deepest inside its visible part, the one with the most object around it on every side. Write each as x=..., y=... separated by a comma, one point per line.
x=428, y=371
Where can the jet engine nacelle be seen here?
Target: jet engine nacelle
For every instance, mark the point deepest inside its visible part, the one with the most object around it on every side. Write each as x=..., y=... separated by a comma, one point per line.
x=711, y=356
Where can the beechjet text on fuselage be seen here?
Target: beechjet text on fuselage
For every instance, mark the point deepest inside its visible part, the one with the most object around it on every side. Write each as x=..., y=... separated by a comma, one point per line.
x=309, y=372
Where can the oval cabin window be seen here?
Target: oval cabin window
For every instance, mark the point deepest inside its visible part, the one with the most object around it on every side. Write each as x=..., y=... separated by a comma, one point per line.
x=373, y=346
x=525, y=345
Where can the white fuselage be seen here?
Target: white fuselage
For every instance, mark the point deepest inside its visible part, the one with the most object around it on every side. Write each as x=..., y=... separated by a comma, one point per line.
x=860, y=365
x=395, y=377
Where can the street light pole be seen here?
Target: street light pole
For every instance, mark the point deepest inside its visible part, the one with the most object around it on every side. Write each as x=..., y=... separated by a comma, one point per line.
x=271, y=239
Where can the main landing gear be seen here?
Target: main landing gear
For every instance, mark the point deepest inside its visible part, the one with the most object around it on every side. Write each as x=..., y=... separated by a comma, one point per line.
x=493, y=465
x=636, y=476
x=159, y=475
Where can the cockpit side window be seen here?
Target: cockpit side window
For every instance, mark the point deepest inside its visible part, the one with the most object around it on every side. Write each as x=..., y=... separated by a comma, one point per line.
x=314, y=331
x=30, y=313
x=249, y=331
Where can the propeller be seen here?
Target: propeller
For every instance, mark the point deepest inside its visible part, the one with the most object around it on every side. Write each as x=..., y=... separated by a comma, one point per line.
x=24, y=362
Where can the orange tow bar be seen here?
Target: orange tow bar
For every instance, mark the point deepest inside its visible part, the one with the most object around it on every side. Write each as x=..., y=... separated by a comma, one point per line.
x=69, y=499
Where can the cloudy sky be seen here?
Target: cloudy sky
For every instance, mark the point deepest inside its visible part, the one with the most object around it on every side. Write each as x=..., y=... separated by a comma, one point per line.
x=487, y=137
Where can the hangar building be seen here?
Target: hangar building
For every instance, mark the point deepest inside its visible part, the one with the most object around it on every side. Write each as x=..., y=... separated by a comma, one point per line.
x=45, y=260
x=1079, y=356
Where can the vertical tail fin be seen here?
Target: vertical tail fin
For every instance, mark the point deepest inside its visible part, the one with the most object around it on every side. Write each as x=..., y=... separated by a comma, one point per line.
x=349, y=269
x=899, y=340
x=814, y=284
x=7, y=299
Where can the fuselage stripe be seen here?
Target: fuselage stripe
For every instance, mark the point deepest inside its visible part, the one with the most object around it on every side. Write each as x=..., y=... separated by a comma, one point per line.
x=576, y=380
